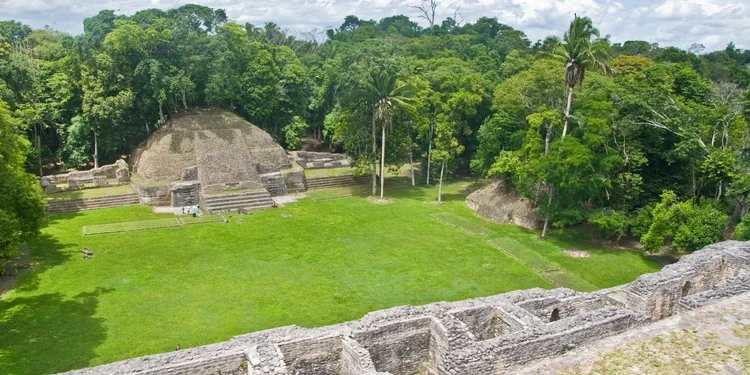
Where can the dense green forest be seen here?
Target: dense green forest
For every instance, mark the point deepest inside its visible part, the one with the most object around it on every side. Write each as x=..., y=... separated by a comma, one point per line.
x=631, y=137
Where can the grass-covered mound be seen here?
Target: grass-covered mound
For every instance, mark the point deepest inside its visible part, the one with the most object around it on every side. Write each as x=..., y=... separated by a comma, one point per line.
x=310, y=263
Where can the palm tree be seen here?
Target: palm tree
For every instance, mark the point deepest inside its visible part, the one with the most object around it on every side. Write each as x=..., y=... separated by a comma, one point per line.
x=581, y=49
x=383, y=90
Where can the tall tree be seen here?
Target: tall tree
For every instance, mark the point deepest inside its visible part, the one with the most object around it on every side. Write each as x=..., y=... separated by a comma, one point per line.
x=581, y=49
x=21, y=198
x=386, y=93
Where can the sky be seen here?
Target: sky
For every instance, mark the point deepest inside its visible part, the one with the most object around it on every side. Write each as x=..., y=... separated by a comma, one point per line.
x=712, y=23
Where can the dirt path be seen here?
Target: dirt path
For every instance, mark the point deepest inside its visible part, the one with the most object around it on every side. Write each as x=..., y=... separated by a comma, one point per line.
x=714, y=339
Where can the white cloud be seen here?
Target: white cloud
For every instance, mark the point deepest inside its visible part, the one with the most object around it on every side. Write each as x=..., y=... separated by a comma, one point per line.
x=713, y=23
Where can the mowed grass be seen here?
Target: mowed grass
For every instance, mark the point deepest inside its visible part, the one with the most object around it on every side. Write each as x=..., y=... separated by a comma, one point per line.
x=543, y=266
x=460, y=223
x=150, y=224
x=310, y=263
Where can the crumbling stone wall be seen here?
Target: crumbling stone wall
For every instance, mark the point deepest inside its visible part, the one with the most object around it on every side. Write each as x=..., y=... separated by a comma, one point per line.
x=312, y=160
x=153, y=195
x=185, y=194
x=492, y=335
x=96, y=177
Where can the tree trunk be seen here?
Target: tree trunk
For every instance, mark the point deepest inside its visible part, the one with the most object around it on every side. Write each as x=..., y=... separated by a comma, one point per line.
x=547, y=139
x=38, y=147
x=382, y=164
x=96, y=150
x=429, y=148
x=440, y=187
x=725, y=139
x=546, y=216
x=161, y=113
x=374, y=152
x=184, y=102
x=148, y=131
x=695, y=187
x=567, y=111
x=411, y=167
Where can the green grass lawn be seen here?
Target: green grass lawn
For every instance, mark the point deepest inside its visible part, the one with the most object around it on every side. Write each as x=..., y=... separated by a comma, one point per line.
x=310, y=263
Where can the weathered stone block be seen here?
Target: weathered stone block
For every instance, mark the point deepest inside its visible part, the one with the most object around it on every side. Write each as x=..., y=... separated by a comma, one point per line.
x=190, y=173
x=75, y=183
x=185, y=194
x=123, y=175
x=100, y=181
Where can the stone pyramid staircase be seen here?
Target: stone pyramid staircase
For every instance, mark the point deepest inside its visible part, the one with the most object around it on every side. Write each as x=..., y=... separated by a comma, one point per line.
x=82, y=204
x=337, y=181
x=244, y=199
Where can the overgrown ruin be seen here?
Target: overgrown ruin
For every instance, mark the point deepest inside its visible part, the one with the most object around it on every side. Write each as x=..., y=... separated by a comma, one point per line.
x=492, y=335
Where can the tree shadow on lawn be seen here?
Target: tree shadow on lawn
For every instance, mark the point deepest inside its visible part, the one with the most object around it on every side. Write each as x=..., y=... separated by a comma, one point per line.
x=47, y=252
x=44, y=252
x=49, y=333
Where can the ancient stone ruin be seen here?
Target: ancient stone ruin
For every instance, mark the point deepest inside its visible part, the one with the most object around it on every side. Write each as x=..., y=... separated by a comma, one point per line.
x=107, y=175
x=492, y=335
x=207, y=157
x=214, y=158
x=502, y=204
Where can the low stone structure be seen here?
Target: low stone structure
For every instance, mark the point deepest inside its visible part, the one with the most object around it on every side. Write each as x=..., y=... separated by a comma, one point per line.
x=492, y=335
x=500, y=203
x=118, y=172
x=312, y=160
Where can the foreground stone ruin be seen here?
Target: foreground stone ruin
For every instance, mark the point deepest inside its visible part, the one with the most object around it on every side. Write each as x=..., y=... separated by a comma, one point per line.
x=493, y=335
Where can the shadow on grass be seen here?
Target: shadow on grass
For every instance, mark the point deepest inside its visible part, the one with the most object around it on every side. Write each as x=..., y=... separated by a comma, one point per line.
x=65, y=195
x=49, y=333
x=47, y=252
x=44, y=247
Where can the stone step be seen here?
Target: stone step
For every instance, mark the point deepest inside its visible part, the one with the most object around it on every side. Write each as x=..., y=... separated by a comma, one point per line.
x=326, y=183
x=335, y=178
x=336, y=181
x=91, y=203
x=112, y=198
x=235, y=198
x=238, y=203
x=259, y=193
x=232, y=202
x=87, y=208
x=235, y=207
x=98, y=199
x=341, y=181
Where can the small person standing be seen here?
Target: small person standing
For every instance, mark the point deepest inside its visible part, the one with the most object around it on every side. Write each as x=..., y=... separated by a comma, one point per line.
x=195, y=210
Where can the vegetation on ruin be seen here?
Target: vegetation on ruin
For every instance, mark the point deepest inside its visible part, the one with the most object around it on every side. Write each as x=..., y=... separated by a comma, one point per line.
x=310, y=263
